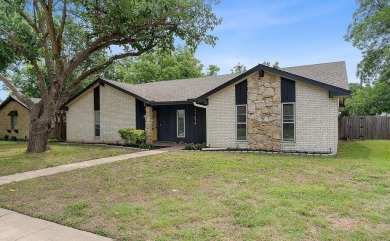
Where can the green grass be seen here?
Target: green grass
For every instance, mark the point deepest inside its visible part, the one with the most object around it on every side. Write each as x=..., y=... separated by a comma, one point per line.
x=14, y=159
x=220, y=196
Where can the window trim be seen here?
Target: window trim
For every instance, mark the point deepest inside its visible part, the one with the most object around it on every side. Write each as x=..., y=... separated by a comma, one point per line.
x=177, y=123
x=246, y=123
x=294, y=122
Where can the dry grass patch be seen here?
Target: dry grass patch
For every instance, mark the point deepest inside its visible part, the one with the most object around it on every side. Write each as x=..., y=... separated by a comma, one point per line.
x=220, y=196
x=14, y=159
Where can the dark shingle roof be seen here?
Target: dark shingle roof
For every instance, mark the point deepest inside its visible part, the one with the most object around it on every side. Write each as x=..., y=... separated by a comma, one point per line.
x=175, y=90
x=332, y=76
x=329, y=73
x=12, y=97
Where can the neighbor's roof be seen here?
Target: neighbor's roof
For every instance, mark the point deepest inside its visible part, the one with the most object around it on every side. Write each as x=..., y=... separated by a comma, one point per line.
x=14, y=98
x=331, y=76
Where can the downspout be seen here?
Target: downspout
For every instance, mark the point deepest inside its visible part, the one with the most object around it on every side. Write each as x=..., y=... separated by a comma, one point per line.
x=204, y=107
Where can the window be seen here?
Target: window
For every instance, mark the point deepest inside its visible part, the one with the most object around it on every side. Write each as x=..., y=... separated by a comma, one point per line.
x=288, y=129
x=181, y=123
x=97, y=123
x=96, y=108
x=14, y=122
x=241, y=122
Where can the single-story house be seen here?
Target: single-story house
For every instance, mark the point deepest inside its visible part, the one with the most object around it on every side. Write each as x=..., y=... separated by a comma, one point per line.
x=15, y=118
x=264, y=108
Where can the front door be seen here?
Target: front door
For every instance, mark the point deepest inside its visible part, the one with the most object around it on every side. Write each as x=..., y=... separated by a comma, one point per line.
x=154, y=126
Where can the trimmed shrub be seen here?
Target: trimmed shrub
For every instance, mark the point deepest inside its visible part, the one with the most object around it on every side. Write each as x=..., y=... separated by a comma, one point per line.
x=193, y=146
x=6, y=137
x=133, y=136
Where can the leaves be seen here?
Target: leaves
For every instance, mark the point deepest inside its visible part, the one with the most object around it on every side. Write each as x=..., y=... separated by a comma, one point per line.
x=370, y=33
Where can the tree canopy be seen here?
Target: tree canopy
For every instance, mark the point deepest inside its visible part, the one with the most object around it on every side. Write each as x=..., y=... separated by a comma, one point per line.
x=157, y=66
x=370, y=33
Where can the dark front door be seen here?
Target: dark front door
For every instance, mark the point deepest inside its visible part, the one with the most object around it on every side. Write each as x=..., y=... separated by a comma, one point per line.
x=185, y=123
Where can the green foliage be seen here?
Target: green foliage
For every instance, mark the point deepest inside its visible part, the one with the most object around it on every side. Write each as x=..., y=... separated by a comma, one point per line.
x=369, y=100
x=238, y=68
x=275, y=65
x=157, y=66
x=134, y=136
x=212, y=70
x=6, y=137
x=370, y=33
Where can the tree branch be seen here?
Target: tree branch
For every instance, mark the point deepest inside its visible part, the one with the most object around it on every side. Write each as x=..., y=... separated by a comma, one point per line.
x=27, y=101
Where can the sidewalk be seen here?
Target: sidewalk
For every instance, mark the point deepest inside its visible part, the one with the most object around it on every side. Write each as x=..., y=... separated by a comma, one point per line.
x=15, y=226
x=78, y=165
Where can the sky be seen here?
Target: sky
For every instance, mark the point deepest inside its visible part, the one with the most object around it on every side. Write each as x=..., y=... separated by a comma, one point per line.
x=292, y=32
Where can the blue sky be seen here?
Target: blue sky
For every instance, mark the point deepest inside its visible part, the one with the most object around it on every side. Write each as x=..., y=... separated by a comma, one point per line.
x=292, y=32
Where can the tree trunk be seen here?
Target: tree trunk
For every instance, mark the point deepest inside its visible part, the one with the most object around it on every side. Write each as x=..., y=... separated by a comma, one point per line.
x=41, y=124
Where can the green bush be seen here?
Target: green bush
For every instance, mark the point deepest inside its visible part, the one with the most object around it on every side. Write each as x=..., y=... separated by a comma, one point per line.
x=6, y=137
x=133, y=136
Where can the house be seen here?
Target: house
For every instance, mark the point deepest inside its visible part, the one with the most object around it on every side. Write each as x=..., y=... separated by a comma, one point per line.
x=15, y=118
x=288, y=109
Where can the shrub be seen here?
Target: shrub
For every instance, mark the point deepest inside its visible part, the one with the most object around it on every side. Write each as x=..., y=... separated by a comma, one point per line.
x=14, y=138
x=133, y=136
x=6, y=137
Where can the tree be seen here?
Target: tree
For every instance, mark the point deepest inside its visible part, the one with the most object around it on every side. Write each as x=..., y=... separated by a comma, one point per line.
x=212, y=70
x=67, y=41
x=157, y=66
x=370, y=33
x=275, y=65
x=238, y=68
x=369, y=100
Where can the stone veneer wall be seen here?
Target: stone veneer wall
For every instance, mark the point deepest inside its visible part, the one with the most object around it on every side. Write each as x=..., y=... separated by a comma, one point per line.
x=117, y=110
x=264, y=112
x=316, y=120
x=23, y=123
x=149, y=124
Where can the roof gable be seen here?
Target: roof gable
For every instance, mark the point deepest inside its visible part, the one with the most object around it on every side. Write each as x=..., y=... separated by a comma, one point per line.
x=14, y=98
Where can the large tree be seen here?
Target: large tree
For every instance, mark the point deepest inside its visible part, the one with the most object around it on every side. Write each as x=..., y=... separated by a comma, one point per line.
x=370, y=33
x=66, y=41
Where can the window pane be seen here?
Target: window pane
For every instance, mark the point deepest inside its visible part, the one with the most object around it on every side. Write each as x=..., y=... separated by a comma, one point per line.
x=97, y=123
x=241, y=132
x=288, y=113
x=241, y=119
x=241, y=110
x=180, y=123
x=288, y=131
x=14, y=122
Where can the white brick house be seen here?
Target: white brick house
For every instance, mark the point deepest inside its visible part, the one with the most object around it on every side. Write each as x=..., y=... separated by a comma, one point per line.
x=289, y=109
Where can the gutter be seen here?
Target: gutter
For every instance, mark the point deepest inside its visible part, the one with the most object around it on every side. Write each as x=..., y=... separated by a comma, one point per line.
x=200, y=106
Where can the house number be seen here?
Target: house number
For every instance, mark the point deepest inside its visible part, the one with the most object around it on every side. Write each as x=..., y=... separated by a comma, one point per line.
x=194, y=116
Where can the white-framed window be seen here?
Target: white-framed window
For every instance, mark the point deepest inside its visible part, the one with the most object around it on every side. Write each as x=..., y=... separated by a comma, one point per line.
x=181, y=123
x=288, y=122
x=97, y=123
x=241, y=122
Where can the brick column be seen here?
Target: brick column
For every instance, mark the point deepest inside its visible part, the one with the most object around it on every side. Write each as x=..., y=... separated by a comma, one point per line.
x=149, y=124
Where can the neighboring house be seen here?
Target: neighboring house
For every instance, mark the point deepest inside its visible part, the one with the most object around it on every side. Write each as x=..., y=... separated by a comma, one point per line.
x=288, y=109
x=15, y=118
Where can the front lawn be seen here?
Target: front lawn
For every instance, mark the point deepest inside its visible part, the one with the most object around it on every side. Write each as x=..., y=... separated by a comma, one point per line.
x=14, y=159
x=220, y=196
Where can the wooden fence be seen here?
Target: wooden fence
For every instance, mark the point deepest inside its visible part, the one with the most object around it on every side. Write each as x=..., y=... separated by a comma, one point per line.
x=364, y=127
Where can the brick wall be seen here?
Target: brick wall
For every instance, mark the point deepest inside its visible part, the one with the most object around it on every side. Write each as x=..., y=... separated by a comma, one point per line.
x=117, y=110
x=316, y=120
x=221, y=120
x=23, y=122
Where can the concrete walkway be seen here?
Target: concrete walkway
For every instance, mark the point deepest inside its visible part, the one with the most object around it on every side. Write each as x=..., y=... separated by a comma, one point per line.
x=77, y=165
x=15, y=226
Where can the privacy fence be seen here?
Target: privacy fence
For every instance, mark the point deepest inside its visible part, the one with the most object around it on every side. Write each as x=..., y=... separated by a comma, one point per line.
x=364, y=127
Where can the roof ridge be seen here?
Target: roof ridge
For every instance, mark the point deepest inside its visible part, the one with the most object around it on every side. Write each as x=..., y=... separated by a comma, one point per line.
x=333, y=62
